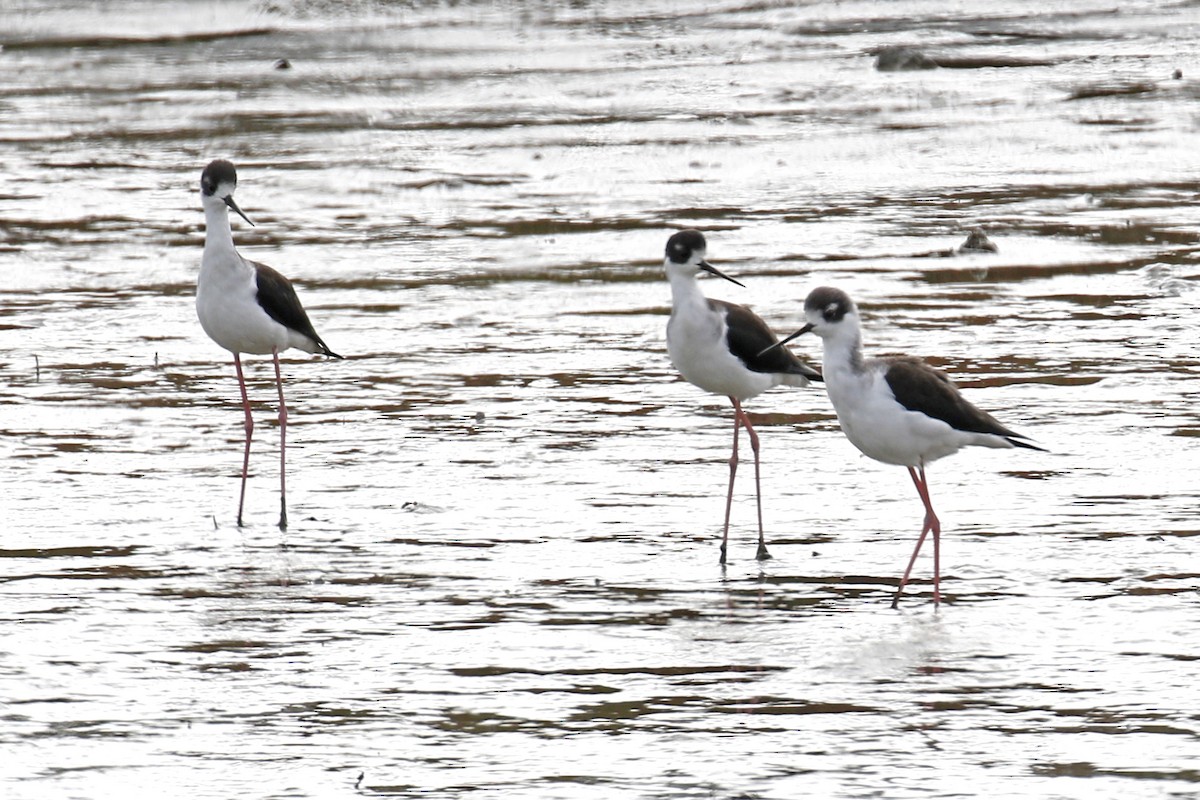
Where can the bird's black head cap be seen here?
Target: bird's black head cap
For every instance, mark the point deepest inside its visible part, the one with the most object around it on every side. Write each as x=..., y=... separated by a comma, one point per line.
x=217, y=172
x=832, y=304
x=684, y=244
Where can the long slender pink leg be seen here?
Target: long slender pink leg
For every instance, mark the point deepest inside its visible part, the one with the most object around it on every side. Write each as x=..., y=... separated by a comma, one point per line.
x=249, y=426
x=282, y=444
x=935, y=525
x=762, y=554
x=733, y=463
x=931, y=523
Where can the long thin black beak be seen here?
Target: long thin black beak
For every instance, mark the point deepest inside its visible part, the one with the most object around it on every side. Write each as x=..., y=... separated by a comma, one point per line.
x=229, y=202
x=707, y=267
x=781, y=343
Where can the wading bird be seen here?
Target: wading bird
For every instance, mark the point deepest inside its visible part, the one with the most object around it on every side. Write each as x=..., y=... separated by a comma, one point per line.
x=896, y=410
x=718, y=347
x=247, y=307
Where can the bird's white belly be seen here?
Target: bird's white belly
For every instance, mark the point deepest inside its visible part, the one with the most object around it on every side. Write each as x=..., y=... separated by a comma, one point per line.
x=698, y=350
x=882, y=428
x=231, y=316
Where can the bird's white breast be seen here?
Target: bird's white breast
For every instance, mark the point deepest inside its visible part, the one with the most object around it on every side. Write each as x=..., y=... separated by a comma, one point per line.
x=696, y=343
x=227, y=305
x=879, y=426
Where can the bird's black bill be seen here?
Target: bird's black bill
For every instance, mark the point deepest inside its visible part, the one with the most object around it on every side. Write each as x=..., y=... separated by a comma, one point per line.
x=229, y=202
x=782, y=342
x=707, y=267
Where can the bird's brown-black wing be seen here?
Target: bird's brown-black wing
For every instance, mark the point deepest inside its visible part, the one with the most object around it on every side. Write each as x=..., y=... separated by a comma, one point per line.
x=919, y=387
x=278, y=298
x=748, y=336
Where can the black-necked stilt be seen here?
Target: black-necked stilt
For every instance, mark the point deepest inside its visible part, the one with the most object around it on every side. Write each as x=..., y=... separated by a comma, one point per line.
x=247, y=307
x=718, y=347
x=896, y=410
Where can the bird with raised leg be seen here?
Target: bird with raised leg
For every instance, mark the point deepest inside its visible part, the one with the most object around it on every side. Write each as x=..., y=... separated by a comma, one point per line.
x=897, y=410
x=718, y=347
x=247, y=307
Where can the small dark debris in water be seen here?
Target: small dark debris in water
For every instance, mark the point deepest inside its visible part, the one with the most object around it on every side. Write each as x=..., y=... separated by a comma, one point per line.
x=408, y=505
x=233, y=666
x=990, y=62
x=37, y=369
x=978, y=242
x=905, y=59
x=81, y=551
x=215, y=525
x=1111, y=89
x=902, y=59
x=358, y=783
x=1127, y=123
x=1177, y=74
x=1032, y=474
x=1169, y=656
x=283, y=63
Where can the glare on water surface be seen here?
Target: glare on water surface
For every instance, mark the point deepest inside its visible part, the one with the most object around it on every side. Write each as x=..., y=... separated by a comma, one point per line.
x=500, y=576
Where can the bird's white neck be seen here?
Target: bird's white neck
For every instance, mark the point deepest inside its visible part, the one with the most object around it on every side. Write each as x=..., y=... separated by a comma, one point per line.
x=685, y=288
x=218, y=238
x=843, y=350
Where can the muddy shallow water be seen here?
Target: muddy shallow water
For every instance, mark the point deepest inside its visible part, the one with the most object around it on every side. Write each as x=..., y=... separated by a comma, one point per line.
x=501, y=573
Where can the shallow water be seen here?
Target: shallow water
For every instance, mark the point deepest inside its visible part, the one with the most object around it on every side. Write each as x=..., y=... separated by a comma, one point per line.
x=501, y=573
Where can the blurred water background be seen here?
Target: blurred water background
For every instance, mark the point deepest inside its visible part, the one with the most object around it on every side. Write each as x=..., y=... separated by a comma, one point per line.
x=501, y=575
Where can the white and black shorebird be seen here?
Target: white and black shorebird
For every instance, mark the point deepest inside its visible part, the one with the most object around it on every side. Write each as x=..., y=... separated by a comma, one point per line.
x=247, y=307
x=897, y=410
x=718, y=346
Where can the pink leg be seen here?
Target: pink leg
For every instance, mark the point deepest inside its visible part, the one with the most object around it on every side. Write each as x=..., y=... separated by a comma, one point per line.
x=733, y=463
x=932, y=523
x=249, y=426
x=935, y=526
x=762, y=554
x=282, y=444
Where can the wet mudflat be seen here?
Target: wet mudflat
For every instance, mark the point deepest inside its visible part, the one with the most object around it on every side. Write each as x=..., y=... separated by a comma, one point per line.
x=501, y=574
